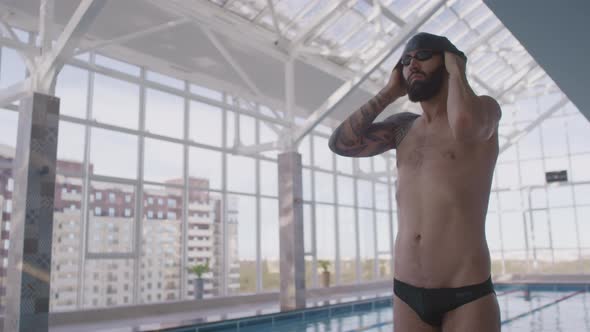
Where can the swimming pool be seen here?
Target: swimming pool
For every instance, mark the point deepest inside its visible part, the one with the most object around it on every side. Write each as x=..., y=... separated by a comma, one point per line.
x=524, y=308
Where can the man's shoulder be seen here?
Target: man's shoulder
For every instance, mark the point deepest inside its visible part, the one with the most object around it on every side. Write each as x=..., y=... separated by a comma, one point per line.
x=401, y=124
x=490, y=104
x=402, y=118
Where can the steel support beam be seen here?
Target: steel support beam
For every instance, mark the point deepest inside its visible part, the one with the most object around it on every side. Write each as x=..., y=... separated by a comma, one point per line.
x=27, y=49
x=233, y=63
x=63, y=48
x=275, y=19
x=388, y=13
x=233, y=26
x=133, y=35
x=46, y=20
x=14, y=92
x=329, y=11
x=7, y=30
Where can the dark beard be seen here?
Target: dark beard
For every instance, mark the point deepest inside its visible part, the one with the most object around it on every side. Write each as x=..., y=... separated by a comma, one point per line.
x=428, y=88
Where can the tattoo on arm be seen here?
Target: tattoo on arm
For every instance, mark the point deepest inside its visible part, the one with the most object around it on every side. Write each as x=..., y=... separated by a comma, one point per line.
x=358, y=136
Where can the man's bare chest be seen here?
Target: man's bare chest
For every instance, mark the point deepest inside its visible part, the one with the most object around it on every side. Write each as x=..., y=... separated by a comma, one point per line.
x=435, y=147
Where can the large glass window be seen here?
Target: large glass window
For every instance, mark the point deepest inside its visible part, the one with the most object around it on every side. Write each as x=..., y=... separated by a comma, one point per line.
x=72, y=89
x=12, y=67
x=113, y=153
x=322, y=156
x=269, y=178
x=324, y=187
x=229, y=219
x=67, y=250
x=205, y=241
x=161, y=244
x=164, y=114
x=347, y=241
x=205, y=168
x=70, y=148
x=110, y=233
x=269, y=241
x=206, y=124
x=367, y=243
x=241, y=174
x=115, y=102
x=325, y=237
x=242, y=214
x=162, y=161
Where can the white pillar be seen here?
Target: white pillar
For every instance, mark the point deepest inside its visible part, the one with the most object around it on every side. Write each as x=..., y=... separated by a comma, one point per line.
x=29, y=256
x=292, y=294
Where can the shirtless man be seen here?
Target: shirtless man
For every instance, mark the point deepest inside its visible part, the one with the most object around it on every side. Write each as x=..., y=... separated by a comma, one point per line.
x=445, y=161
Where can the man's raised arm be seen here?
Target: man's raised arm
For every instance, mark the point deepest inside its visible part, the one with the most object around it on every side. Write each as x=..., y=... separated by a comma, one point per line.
x=358, y=136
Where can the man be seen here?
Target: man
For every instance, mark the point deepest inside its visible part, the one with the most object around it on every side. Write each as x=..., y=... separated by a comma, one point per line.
x=445, y=161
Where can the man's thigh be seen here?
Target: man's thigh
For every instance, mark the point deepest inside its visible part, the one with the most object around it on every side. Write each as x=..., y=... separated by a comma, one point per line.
x=482, y=315
x=405, y=319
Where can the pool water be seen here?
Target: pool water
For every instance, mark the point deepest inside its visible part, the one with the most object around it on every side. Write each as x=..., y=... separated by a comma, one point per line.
x=547, y=309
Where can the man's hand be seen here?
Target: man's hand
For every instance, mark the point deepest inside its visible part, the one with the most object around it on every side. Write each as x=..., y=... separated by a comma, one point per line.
x=396, y=87
x=455, y=64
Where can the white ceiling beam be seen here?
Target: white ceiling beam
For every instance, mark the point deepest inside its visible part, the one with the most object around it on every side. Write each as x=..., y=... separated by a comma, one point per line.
x=518, y=78
x=233, y=63
x=235, y=27
x=485, y=38
x=318, y=20
x=78, y=25
x=255, y=149
x=7, y=30
x=131, y=36
x=323, y=51
x=316, y=34
x=365, y=22
x=255, y=108
x=491, y=90
x=466, y=12
x=385, y=11
x=290, y=91
x=327, y=107
x=420, y=4
x=46, y=20
x=305, y=10
x=228, y=3
x=28, y=50
x=14, y=92
x=275, y=19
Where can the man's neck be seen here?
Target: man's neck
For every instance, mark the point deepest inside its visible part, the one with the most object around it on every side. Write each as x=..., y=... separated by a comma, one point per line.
x=436, y=106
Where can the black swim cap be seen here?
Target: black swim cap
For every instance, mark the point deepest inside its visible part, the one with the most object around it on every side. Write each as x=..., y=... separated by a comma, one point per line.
x=424, y=40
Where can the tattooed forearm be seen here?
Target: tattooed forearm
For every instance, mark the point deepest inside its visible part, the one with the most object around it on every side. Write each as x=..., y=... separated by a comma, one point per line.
x=360, y=120
x=349, y=136
x=377, y=138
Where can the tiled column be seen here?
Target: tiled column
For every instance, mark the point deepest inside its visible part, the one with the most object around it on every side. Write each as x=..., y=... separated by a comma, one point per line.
x=291, y=232
x=29, y=255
